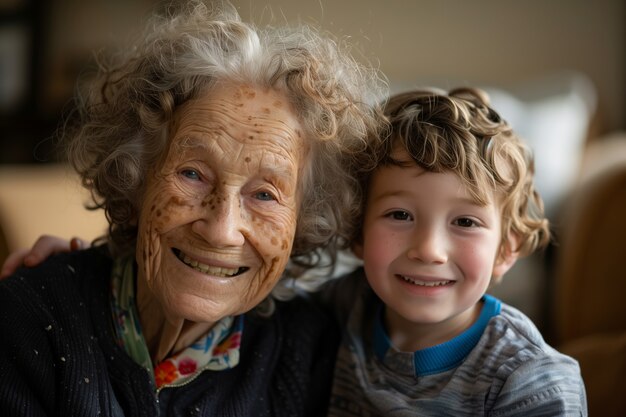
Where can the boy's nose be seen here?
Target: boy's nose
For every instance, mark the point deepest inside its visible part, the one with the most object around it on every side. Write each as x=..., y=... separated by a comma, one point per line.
x=428, y=245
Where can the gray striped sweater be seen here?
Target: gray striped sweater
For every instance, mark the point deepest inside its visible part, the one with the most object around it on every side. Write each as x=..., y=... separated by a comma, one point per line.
x=501, y=366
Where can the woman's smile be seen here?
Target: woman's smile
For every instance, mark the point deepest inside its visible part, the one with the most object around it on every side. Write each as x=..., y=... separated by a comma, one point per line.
x=209, y=268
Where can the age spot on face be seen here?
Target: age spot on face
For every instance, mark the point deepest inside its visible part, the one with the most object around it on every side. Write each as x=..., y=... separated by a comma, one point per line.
x=247, y=159
x=208, y=201
x=179, y=201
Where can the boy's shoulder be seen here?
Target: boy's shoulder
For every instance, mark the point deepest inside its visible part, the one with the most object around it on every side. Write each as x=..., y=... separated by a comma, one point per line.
x=513, y=337
x=512, y=345
x=513, y=322
x=523, y=368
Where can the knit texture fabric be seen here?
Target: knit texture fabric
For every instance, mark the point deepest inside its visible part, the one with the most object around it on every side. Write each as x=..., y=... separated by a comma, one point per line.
x=58, y=354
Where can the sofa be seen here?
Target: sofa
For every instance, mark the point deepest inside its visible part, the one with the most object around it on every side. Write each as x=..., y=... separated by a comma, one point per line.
x=589, y=288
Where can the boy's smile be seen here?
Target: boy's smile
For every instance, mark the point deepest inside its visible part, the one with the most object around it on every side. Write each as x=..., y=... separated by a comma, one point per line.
x=429, y=252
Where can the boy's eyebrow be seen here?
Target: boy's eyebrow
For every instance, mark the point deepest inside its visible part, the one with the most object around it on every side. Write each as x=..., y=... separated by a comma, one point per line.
x=400, y=192
x=392, y=193
x=468, y=200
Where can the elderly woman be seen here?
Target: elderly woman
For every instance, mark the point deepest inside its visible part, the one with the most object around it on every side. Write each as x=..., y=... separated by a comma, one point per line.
x=217, y=153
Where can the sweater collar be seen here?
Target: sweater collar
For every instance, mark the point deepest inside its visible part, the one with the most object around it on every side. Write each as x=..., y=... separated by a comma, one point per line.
x=435, y=359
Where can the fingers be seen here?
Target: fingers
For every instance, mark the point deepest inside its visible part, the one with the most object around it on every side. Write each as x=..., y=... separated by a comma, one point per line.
x=12, y=262
x=77, y=243
x=44, y=247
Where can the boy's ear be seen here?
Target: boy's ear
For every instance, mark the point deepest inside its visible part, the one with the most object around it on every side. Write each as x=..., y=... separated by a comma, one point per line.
x=506, y=258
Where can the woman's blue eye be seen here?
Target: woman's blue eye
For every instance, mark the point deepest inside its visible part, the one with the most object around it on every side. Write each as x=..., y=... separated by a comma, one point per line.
x=191, y=174
x=264, y=196
x=400, y=215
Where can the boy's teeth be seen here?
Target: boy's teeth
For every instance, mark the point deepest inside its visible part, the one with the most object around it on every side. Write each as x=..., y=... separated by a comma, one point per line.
x=425, y=283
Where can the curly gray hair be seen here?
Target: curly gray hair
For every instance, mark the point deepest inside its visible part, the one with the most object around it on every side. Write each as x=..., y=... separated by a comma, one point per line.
x=124, y=118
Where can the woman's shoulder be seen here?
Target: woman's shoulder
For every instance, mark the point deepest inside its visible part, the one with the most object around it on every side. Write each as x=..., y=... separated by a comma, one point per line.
x=59, y=278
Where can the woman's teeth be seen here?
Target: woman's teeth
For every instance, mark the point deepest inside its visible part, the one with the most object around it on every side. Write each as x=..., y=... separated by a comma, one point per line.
x=208, y=269
x=425, y=283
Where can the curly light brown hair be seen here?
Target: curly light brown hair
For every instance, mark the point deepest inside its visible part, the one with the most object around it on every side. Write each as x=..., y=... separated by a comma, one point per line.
x=458, y=132
x=122, y=123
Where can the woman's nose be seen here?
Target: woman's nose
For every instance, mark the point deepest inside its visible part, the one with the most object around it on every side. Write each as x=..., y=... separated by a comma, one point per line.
x=222, y=223
x=428, y=244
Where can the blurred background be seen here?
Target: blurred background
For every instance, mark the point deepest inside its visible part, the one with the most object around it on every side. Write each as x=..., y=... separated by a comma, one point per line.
x=556, y=70
x=45, y=45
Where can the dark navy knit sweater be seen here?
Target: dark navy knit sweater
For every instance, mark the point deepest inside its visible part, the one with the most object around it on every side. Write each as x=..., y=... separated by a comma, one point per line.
x=58, y=355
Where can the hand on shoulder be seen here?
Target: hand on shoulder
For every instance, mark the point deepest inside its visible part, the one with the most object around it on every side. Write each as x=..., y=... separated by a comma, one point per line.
x=44, y=247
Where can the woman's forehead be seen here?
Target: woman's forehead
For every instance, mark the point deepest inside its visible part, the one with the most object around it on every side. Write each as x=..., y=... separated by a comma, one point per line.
x=258, y=101
x=254, y=111
x=239, y=123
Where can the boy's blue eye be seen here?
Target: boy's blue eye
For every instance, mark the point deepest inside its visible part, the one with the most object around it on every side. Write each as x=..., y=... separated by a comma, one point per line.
x=264, y=196
x=191, y=174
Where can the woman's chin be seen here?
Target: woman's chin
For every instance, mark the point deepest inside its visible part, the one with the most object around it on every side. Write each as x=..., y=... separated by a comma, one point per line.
x=193, y=308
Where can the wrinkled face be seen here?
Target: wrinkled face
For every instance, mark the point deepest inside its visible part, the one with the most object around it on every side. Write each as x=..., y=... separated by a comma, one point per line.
x=429, y=250
x=218, y=218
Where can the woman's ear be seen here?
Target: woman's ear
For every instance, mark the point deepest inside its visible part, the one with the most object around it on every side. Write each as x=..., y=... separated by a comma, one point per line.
x=507, y=257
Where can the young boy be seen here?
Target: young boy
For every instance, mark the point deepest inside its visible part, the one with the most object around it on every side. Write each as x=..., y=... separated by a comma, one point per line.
x=448, y=210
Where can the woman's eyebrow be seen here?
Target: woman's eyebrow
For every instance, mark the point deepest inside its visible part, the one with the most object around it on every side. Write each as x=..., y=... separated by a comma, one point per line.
x=268, y=169
x=191, y=142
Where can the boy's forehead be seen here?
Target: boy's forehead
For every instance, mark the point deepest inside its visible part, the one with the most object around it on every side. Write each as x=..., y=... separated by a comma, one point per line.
x=399, y=152
x=478, y=183
x=481, y=194
x=400, y=156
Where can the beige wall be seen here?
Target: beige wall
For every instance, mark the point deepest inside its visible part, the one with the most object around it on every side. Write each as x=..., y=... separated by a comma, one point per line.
x=490, y=42
x=498, y=42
